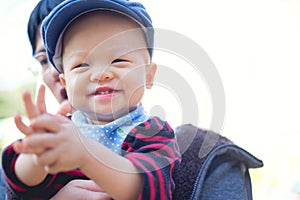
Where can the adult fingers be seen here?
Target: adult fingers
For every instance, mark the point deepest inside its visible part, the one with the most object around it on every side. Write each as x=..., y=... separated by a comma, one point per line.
x=75, y=190
x=89, y=185
x=96, y=195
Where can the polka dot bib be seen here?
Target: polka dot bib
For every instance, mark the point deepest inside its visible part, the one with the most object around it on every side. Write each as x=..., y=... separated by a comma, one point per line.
x=112, y=134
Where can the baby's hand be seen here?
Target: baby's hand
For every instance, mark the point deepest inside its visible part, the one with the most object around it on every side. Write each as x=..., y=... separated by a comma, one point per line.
x=54, y=139
x=32, y=111
x=60, y=148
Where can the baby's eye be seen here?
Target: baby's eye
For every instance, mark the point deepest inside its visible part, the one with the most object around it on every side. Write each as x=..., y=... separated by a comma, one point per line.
x=119, y=60
x=81, y=65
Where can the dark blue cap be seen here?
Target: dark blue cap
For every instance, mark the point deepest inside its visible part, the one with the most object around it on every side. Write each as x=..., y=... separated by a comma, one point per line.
x=61, y=16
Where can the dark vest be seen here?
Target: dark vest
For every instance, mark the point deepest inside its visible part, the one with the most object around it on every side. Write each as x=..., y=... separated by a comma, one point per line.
x=202, y=151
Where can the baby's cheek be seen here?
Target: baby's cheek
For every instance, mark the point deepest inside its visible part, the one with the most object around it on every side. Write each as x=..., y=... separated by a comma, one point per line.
x=136, y=96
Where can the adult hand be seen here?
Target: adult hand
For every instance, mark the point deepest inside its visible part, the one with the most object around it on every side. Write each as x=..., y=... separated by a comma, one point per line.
x=81, y=189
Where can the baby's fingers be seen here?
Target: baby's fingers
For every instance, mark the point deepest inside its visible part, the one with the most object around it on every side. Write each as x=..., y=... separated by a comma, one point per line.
x=54, y=162
x=26, y=130
x=50, y=123
x=34, y=144
x=40, y=101
x=48, y=160
x=19, y=147
x=31, y=110
x=65, y=108
x=22, y=147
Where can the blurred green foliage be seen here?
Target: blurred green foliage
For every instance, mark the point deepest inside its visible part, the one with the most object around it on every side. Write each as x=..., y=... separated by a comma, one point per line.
x=11, y=101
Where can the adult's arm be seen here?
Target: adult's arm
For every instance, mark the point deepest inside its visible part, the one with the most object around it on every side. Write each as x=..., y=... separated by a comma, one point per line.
x=227, y=180
x=81, y=189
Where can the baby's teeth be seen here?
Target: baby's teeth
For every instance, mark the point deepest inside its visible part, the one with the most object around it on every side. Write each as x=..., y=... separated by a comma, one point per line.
x=105, y=92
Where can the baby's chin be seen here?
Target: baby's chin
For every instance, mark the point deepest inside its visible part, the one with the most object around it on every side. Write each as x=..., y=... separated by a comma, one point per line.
x=106, y=117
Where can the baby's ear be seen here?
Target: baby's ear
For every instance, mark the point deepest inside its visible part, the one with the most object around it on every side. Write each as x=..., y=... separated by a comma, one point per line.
x=62, y=79
x=150, y=74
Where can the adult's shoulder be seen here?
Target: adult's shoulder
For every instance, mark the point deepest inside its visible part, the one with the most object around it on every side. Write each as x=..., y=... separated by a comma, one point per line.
x=210, y=158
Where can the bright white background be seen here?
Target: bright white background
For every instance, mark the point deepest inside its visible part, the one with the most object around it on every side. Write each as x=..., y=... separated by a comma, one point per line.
x=255, y=46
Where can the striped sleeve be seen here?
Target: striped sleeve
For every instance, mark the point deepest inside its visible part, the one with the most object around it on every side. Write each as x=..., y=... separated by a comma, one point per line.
x=152, y=148
x=48, y=188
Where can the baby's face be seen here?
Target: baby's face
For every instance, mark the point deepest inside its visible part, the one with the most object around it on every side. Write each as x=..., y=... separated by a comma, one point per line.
x=106, y=65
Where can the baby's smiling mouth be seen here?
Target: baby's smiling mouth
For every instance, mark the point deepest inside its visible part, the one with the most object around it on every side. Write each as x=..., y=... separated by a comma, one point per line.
x=105, y=91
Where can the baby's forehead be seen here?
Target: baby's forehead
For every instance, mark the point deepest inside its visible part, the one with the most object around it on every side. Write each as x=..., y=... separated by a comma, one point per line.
x=104, y=27
x=103, y=18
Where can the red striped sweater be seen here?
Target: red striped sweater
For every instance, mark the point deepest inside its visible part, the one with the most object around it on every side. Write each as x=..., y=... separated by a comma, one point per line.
x=151, y=146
